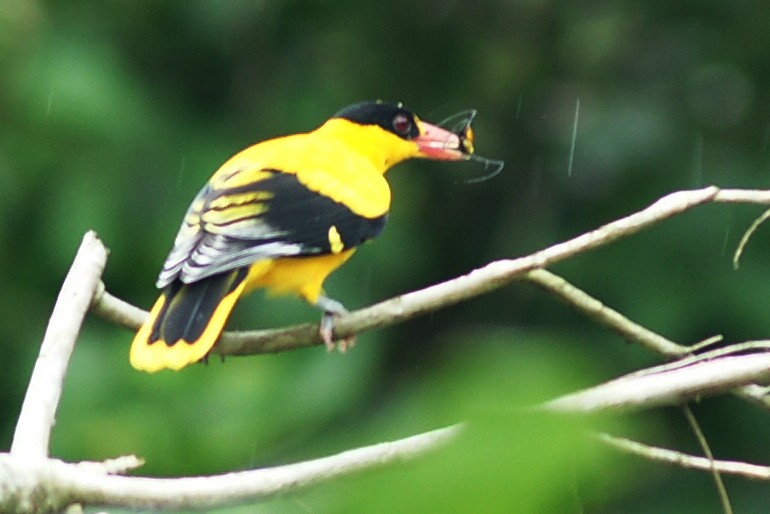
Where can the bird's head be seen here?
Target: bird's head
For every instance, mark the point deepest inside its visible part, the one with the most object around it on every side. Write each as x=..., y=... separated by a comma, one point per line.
x=390, y=133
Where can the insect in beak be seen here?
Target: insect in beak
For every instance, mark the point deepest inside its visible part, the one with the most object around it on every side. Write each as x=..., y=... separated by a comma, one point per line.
x=460, y=125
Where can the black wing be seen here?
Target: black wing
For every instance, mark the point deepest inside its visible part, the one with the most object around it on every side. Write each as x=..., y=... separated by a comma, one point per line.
x=274, y=216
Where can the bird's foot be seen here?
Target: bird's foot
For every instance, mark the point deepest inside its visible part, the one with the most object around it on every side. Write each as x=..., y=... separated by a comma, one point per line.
x=332, y=310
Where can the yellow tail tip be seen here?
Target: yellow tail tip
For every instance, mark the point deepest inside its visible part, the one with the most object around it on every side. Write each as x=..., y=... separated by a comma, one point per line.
x=158, y=355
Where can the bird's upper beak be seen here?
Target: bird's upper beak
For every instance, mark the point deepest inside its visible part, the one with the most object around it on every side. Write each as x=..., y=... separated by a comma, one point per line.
x=438, y=143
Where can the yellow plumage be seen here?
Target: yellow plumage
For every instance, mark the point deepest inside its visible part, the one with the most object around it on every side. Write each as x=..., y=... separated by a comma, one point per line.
x=281, y=215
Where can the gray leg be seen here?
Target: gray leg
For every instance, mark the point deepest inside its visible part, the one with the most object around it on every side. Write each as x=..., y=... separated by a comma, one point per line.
x=330, y=306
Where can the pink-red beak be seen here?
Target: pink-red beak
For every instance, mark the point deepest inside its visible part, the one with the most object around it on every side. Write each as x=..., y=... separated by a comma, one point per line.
x=440, y=144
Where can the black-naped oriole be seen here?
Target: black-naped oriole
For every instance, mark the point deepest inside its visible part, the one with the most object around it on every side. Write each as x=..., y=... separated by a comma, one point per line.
x=282, y=215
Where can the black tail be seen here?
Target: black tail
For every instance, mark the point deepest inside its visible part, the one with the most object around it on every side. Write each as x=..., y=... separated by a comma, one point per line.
x=186, y=321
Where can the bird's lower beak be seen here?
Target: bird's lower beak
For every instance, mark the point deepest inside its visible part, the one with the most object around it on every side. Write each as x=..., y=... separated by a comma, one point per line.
x=437, y=143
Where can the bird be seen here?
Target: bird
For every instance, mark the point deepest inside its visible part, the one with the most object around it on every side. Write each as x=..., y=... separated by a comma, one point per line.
x=282, y=215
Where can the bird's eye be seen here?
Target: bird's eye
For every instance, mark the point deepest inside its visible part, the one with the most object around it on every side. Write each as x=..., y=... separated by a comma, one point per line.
x=402, y=124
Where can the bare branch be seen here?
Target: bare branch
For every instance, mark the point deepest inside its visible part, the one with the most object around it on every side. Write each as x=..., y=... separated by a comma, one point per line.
x=70, y=483
x=633, y=332
x=683, y=460
x=116, y=310
x=756, y=394
x=32, y=483
x=25, y=473
x=747, y=235
x=724, y=498
x=755, y=196
x=597, y=311
x=116, y=466
x=30, y=441
x=669, y=386
x=492, y=276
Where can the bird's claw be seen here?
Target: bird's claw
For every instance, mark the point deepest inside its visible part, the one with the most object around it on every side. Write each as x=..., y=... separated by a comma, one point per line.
x=332, y=310
x=326, y=332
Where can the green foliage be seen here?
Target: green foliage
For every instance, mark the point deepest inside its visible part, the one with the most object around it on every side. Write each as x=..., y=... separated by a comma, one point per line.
x=115, y=113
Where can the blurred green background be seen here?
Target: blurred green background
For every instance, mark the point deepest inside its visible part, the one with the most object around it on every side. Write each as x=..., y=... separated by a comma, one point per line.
x=113, y=114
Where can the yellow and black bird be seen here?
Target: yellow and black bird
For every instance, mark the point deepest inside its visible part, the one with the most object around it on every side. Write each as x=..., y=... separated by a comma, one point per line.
x=282, y=215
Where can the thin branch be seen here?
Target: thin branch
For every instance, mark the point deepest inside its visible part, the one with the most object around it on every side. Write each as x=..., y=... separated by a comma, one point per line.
x=669, y=387
x=116, y=466
x=746, y=236
x=754, y=196
x=604, y=315
x=756, y=394
x=683, y=460
x=33, y=429
x=492, y=276
x=705, y=343
x=69, y=483
x=747, y=347
x=117, y=311
x=727, y=508
x=634, y=332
